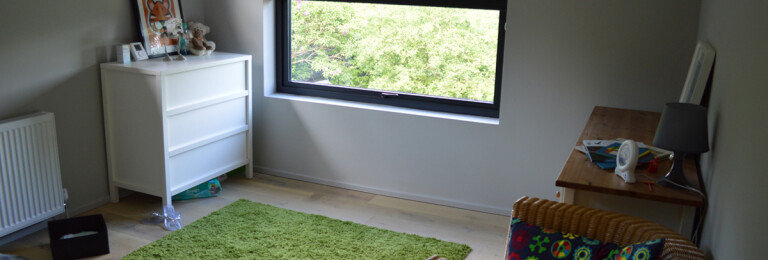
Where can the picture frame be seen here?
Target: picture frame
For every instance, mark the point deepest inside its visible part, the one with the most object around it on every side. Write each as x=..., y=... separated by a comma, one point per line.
x=152, y=15
x=698, y=73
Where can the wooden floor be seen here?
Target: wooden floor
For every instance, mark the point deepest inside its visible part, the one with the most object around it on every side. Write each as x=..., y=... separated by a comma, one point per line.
x=485, y=233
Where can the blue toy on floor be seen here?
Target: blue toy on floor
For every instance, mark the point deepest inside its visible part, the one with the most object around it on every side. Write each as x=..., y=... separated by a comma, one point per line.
x=205, y=190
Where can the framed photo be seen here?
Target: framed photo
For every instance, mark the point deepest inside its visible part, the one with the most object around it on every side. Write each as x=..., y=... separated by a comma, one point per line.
x=698, y=74
x=152, y=15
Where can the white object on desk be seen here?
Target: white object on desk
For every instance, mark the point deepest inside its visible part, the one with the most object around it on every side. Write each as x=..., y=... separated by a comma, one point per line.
x=172, y=126
x=626, y=161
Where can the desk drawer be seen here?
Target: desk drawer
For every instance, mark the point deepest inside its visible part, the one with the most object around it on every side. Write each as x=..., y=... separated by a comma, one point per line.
x=194, y=86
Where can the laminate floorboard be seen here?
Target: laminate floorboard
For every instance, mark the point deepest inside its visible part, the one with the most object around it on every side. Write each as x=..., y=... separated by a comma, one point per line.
x=485, y=233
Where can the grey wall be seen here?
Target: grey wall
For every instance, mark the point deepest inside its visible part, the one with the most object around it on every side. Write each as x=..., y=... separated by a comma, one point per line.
x=734, y=170
x=49, y=57
x=192, y=10
x=49, y=61
x=562, y=58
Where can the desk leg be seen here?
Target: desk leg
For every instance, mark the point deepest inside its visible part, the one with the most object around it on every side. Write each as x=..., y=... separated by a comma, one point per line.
x=567, y=195
x=687, y=215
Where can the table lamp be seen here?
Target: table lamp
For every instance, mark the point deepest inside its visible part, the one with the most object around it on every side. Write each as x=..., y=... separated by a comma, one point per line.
x=682, y=130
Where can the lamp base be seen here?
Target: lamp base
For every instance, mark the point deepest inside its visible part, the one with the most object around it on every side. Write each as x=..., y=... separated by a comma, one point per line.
x=675, y=178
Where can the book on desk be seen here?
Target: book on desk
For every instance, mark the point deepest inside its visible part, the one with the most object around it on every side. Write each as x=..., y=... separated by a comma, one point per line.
x=603, y=153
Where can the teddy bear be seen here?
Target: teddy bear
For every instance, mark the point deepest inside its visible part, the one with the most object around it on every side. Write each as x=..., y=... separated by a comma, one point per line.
x=199, y=46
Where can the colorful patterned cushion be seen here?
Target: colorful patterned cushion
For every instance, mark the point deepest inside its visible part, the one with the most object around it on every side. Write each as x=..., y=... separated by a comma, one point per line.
x=528, y=242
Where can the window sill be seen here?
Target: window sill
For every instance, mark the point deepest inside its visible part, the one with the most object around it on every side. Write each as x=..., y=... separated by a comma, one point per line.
x=392, y=109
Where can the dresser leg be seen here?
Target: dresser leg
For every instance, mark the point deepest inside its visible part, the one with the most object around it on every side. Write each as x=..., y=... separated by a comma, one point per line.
x=249, y=171
x=113, y=194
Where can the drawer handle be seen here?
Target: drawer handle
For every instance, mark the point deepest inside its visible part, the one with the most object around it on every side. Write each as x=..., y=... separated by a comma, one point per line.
x=388, y=95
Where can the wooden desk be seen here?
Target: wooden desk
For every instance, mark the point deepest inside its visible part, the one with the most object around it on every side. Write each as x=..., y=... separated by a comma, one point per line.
x=586, y=184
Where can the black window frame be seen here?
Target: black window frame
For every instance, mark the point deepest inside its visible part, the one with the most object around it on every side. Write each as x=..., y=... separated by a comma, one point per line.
x=399, y=99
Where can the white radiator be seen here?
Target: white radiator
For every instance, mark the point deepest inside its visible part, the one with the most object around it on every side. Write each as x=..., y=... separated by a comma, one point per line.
x=30, y=180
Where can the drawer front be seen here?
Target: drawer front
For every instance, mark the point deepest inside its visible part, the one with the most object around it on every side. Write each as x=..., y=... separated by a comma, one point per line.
x=199, y=124
x=193, y=166
x=194, y=86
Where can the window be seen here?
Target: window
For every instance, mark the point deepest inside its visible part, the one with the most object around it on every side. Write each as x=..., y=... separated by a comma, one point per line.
x=440, y=55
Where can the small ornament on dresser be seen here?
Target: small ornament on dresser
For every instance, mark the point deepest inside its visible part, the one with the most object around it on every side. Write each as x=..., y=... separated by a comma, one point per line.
x=173, y=29
x=198, y=45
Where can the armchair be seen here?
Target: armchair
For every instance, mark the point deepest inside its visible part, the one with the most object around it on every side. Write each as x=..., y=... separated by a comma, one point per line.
x=602, y=225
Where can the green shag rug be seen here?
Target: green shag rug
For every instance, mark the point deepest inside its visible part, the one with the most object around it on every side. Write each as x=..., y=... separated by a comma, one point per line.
x=250, y=230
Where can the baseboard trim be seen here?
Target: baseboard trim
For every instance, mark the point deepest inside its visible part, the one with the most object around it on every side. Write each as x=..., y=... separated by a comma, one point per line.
x=88, y=206
x=385, y=192
x=24, y=232
x=71, y=212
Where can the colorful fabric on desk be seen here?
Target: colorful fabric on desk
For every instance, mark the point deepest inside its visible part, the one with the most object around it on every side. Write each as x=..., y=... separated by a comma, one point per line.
x=528, y=242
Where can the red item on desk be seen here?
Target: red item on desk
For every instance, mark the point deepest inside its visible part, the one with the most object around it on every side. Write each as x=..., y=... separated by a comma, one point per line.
x=653, y=166
x=650, y=185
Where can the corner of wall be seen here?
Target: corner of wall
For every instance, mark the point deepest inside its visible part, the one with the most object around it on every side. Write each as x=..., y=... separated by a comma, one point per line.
x=268, y=47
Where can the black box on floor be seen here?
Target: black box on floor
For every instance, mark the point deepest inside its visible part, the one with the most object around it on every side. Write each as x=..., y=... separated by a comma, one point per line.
x=78, y=237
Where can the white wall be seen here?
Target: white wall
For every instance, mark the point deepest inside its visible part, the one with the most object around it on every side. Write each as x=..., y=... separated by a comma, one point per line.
x=49, y=60
x=734, y=170
x=562, y=58
x=49, y=57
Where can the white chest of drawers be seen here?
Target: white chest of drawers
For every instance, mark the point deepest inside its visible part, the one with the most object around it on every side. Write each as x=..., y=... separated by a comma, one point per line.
x=173, y=125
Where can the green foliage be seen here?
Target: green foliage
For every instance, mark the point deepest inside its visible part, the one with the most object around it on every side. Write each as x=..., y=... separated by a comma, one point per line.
x=423, y=50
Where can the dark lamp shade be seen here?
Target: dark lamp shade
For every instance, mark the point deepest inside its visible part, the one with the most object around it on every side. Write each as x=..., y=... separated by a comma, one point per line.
x=683, y=128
